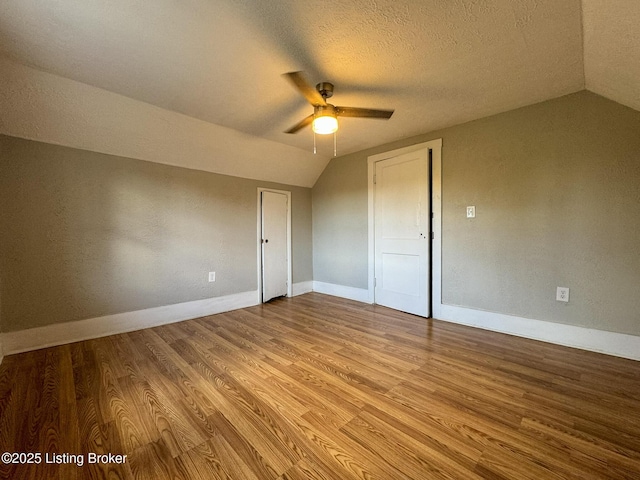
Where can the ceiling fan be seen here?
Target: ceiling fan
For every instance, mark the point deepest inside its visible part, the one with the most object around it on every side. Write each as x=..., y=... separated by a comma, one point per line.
x=324, y=119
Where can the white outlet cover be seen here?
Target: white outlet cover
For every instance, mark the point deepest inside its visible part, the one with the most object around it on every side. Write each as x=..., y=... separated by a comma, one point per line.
x=212, y=276
x=471, y=211
x=562, y=294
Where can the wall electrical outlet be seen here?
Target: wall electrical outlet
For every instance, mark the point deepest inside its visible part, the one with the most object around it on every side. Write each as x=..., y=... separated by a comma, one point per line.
x=562, y=294
x=471, y=211
x=212, y=276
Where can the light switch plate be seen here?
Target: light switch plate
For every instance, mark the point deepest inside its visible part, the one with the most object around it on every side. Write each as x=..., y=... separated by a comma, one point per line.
x=471, y=211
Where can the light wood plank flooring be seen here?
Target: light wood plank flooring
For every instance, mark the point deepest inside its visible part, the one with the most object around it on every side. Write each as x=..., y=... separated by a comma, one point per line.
x=317, y=387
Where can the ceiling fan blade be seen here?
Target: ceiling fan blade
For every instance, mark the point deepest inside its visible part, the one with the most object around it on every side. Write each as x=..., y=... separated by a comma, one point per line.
x=300, y=125
x=363, y=112
x=311, y=94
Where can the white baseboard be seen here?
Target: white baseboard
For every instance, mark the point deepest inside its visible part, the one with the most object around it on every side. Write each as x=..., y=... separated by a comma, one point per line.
x=352, y=293
x=301, y=288
x=610, y=343
x=62, y=333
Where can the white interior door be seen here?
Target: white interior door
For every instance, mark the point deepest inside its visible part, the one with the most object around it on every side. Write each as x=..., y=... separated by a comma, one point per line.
x=402, y=232
x=275, y=265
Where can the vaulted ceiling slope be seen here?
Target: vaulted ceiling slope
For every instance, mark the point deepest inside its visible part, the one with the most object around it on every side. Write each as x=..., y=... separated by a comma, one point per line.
x=200, y=83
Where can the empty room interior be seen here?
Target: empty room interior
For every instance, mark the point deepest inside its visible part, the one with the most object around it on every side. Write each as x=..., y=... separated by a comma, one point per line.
x=336, y=240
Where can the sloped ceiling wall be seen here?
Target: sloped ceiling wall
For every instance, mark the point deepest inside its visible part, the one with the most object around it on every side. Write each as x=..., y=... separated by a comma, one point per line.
x=40, y=106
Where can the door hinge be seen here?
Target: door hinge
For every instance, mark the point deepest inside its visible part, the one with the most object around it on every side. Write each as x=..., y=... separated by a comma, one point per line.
x=374, y=179
x=432, y=236
x=375, y=282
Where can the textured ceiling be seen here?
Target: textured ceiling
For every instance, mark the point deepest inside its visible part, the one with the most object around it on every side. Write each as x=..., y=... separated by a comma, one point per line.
x=436, y=62
x=612, y=49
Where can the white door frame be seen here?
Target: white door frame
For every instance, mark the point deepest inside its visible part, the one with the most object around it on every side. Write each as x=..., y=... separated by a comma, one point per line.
x=259, y=241
x=436, y=206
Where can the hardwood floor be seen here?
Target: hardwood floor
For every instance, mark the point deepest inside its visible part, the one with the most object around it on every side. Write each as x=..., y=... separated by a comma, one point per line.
x=318, y=387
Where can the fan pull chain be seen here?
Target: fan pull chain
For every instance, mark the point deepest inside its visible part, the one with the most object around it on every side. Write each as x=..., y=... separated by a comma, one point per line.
x=335, y=144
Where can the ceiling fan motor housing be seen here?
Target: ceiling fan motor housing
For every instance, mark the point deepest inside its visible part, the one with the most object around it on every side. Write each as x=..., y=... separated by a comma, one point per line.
x=325, y=110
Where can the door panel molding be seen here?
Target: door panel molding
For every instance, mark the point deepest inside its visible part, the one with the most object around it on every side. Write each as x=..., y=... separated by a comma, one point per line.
x=435, y=146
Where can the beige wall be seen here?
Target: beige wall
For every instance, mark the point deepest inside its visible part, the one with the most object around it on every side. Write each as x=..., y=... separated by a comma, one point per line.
x=340, y=222
x=557, y=191
x=556, y=186
x=87, y=234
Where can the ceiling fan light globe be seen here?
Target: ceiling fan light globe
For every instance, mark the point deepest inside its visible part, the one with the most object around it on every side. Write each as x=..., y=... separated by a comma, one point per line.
x=325, y=124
